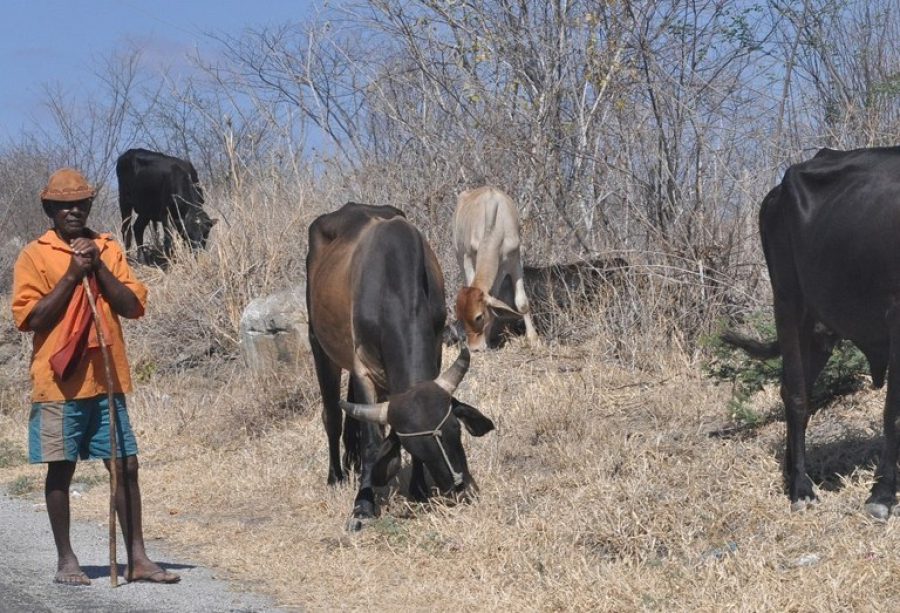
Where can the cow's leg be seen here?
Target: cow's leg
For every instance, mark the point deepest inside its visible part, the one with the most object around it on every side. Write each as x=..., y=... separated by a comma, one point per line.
x=352, y=434
x=793, y=338
x=388, y=462
x=329, y=376
x=521, y=298
x=884, y=492
x=126, y=230
x=371, y=439
x=140, y=224
x=814, y=353
x=815, y=349
x=418, y=487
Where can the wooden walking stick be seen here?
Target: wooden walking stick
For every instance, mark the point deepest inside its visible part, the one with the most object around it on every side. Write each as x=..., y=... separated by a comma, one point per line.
x=113, y=473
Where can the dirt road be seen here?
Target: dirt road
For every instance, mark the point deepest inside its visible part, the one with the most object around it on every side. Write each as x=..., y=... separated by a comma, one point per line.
x=29, y=561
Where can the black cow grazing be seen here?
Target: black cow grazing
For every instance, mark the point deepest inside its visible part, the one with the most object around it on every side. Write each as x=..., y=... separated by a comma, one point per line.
x=565, y=285
x=375, y=298
x=161, y=189
x=829, y=232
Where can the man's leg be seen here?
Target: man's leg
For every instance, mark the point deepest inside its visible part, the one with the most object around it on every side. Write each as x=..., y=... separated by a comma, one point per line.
x=128, y=509
x=56, y=494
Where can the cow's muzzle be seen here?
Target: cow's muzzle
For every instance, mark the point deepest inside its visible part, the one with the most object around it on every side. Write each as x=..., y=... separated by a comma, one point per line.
x=458, y=479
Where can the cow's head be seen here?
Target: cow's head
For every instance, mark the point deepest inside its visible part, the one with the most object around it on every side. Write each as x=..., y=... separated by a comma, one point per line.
x=427, y=420
x=478, y=310
x=197, y=193
x=197, y=225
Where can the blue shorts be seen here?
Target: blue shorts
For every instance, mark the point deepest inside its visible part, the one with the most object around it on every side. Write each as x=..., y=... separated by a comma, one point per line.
x=70, y=429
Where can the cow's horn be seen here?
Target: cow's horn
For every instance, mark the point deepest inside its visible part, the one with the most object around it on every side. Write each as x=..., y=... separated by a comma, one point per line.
x=451, y=378
x=375, y=413
x=499, y=304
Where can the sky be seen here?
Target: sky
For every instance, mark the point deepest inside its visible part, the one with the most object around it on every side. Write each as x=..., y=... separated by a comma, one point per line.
x=62, y=41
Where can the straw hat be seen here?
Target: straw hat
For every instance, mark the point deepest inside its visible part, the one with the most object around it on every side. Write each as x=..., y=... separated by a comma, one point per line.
x=67, y=185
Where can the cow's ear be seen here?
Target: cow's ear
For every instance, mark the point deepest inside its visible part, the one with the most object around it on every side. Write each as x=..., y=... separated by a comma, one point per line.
x=499, y=305
x=213, y=222
x=474, y=421
x=388, y=461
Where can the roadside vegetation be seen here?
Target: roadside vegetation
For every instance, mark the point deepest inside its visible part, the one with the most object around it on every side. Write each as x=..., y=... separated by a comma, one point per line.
x=636, y=463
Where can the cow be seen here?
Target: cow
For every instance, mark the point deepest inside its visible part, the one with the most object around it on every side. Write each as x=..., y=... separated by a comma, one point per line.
x=553, y=289
x=486, y=236
x=564, y=285
x=376, y=305
x=829, y=234
x=161, y=189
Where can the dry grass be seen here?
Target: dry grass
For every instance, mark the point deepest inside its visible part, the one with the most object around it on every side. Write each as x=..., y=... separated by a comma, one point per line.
x=603, y=488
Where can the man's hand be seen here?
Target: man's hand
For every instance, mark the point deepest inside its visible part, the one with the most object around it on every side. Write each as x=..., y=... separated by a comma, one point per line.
x=85, y=257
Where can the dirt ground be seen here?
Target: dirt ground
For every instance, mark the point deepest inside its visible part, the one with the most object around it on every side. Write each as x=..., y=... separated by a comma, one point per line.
x=603, y=488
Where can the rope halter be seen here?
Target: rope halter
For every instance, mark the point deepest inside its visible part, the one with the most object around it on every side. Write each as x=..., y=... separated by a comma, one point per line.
x=436, y=433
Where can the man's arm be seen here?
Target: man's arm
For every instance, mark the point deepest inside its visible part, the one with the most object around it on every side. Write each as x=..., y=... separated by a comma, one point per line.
x=85, y=260
x=48, y=310
x=119, y=296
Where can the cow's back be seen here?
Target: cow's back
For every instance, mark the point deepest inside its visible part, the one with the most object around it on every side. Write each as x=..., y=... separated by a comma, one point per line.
x=481, y=210
x=829, y=233
x=147, y=181
x=399, y=306
x=140, y=166
x=374, y=286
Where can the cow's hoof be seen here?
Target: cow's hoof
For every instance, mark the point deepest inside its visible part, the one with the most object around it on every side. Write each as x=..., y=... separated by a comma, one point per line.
x=355, y=524
x=363, y=513
x=335, y=478
x=418, y=492
x=802, y=504
x=877, y=510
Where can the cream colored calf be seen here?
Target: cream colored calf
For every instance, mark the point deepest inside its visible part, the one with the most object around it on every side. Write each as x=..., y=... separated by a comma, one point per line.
x=486, y=234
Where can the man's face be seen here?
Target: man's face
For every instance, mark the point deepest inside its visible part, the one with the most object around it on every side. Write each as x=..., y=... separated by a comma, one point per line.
x=69, y=218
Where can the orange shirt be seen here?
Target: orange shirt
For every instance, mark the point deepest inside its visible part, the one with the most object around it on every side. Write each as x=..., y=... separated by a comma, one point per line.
x=39, y=267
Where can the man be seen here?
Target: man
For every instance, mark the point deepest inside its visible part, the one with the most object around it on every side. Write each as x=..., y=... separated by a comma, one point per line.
x=70, y=412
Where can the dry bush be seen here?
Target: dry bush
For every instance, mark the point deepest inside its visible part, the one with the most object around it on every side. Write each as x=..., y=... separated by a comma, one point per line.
x=257, y=246
x=638, y=307
x=15, y=391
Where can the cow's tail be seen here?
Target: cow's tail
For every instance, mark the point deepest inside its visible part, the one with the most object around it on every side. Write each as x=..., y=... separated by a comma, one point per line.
x=493, y=223
x=759, y=350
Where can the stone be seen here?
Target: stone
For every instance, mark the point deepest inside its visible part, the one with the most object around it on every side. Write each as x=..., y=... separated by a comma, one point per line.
x=273, y=330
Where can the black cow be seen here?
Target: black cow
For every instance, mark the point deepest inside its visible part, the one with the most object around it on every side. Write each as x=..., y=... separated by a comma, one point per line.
x=375, y=298
x=830, y=236
x=565, y=285
x=161, y=189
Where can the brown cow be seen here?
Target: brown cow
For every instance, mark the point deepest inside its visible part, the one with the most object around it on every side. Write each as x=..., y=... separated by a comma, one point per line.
x=375, y=297
x=486, y=234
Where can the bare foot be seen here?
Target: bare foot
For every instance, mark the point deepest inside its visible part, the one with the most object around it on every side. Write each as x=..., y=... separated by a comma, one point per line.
x=71, y=577
x=151, y=574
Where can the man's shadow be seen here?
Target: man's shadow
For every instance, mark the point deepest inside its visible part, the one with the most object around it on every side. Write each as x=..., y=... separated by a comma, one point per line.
x=102, y=572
